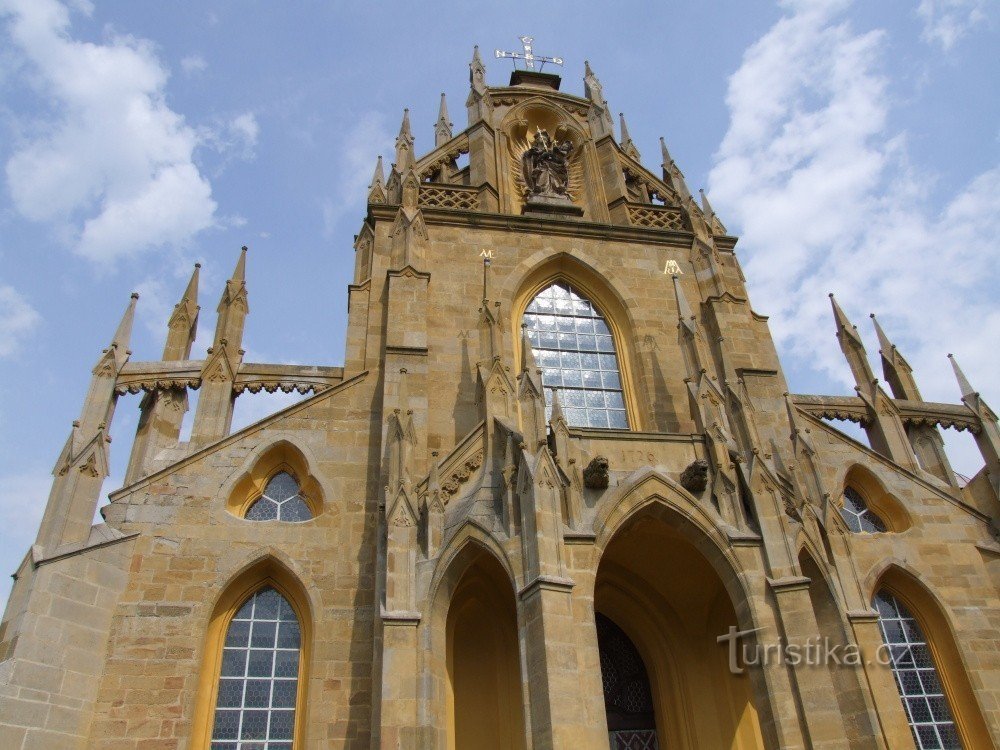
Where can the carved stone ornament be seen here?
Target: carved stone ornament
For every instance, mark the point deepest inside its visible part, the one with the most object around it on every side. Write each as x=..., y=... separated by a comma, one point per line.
x=695, y=477
x=545, y=166
x=595, y=476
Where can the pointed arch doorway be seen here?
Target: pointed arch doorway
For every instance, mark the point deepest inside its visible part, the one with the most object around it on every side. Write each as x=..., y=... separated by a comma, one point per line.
x=659, y=606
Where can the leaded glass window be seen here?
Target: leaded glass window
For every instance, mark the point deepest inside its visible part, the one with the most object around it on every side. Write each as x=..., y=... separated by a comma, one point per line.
x=281, y=500
x=857, y=515
x=260, y=670
x=917, y=679
x=574, y=348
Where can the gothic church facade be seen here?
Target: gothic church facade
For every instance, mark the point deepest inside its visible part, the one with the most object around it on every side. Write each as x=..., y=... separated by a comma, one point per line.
x=559, y=464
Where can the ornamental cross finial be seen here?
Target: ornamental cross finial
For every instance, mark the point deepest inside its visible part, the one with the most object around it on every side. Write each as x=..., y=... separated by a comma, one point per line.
x=528, y=55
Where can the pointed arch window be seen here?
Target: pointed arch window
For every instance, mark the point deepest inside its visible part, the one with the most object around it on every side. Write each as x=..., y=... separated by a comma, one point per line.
x=258, y=682
x=628, y=698
x=281, y=501
x=917, y=678
x=575, y=350
x=857, y=515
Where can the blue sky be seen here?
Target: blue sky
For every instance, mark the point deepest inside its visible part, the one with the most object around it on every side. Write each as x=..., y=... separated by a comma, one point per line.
x=855, y=147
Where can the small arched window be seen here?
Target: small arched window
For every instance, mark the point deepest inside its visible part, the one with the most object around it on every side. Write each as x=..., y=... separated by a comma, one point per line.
x=917, y=679
x=857, y=515
x=575, y=350
x=258, y=682
x=280, y=501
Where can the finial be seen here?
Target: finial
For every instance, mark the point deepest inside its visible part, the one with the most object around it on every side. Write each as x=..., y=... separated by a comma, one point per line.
x=475, y=55
x=191, y=291
x=586, y=68
x=843, y=323
x=527, y=352
x=404, y=128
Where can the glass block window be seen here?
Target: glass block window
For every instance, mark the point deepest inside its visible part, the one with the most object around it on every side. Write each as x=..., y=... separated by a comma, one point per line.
x=574, y=348
x=260, y=670
x=916, y=676
x=281, y=501
x=857, y=515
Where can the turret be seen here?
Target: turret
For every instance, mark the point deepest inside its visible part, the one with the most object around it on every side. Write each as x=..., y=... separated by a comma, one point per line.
x=84, y=463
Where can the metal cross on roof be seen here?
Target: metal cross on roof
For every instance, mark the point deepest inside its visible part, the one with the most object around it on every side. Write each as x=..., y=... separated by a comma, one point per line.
x=528, y=56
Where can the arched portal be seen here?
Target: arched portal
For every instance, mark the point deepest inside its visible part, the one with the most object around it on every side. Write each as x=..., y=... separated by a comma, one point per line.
x=483, y=663
x=666, y=597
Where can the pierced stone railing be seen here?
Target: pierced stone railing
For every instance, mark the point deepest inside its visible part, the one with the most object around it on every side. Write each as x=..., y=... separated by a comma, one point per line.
x=656, y=217
x=454, y=197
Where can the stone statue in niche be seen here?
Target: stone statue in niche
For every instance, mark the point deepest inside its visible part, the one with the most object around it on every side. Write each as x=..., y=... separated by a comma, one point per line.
x=545, y=166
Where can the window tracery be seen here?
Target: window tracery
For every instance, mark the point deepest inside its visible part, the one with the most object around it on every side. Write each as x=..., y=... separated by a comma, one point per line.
x=575, y=350
x=258, y=683
x=280, y=501
x=917, y=678
x=857, y=515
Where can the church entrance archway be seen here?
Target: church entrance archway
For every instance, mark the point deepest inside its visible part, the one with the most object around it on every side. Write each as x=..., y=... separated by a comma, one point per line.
x=483, y=662
x=658, y=590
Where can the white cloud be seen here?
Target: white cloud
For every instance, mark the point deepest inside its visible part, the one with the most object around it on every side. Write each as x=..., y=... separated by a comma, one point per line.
x=17, y=319
x=356, y=157
x=193, y=64
x=116, y=163
x=947, y=21
x=235, y=138
x=825, y=199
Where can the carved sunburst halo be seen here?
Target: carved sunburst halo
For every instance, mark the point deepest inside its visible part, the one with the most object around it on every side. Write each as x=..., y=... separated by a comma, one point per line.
x=519, y=141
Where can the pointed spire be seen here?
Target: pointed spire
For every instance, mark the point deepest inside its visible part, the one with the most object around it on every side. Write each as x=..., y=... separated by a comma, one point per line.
x=672, y=174
x=240, y=272
x=667, y=158
x=123, y=334
x=557, y=412
x=442, y=128
x=527, y=352
x=844, y=324
x=183, y=324
x=191, y=291
x=963, y=382
x=885, y=347
x=376, y=190
x=626, y=140
x=706, y=207
x=404, y=145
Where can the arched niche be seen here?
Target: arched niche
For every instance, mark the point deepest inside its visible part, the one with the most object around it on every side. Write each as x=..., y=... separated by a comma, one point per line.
x=879, y=500
x=590, y=283
x=265, y=572
x=847, y=680
x=281, y=456
x=656, y=583
x=516, y=131
x=936, y=625
x=471, y=655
